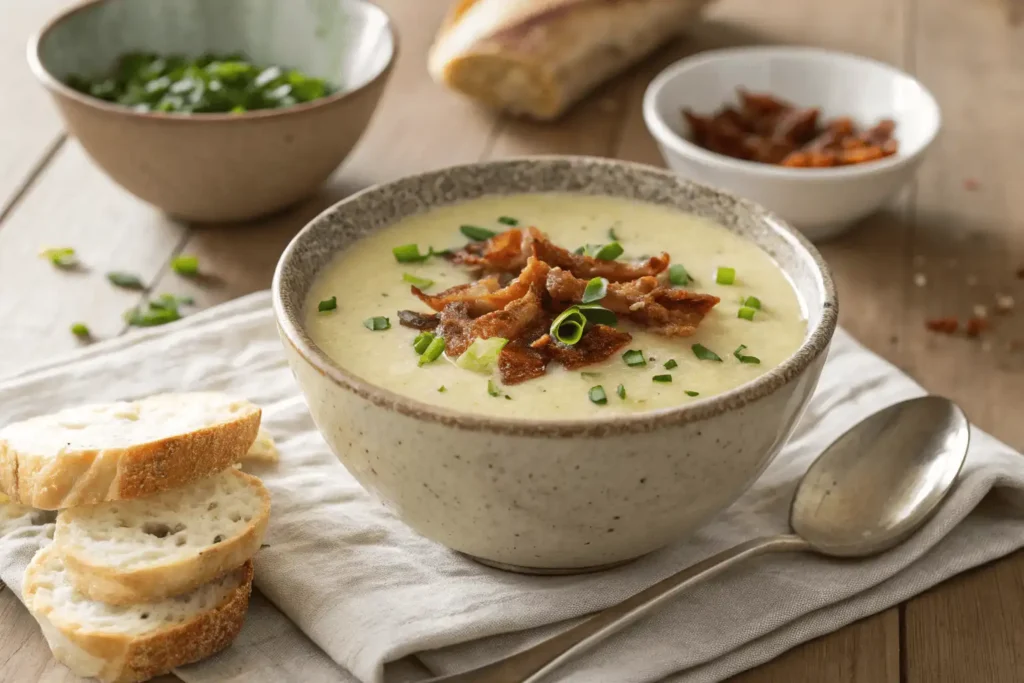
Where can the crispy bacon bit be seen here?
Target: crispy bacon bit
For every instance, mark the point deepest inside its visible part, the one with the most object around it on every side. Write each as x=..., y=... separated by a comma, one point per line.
x=588, y=267
x=506, y=252
x=943, y=325
x=976, y=326
x=520, y=360
x=459, y=329
x=599, y=343
x=455, y=327
x=486, y=296
x=418, y=321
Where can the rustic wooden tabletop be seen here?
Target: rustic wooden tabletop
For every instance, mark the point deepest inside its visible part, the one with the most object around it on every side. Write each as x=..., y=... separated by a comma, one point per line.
x=954, y=241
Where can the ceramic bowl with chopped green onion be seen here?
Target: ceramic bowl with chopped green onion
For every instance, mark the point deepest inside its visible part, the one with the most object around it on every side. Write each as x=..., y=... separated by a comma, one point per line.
x=216, y=110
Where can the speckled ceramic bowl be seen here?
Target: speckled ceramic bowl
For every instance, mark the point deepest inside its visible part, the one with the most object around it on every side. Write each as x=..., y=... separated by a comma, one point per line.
x=554, y=495
x=220, y=167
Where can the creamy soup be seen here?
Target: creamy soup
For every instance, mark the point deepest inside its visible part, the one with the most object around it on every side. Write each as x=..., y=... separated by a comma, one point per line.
x=367, y=282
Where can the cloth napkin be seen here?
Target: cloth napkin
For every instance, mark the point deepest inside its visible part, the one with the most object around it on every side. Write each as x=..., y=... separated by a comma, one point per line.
x=350, y=594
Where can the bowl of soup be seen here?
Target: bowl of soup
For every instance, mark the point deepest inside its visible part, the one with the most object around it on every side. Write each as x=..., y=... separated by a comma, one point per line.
x=553, y=364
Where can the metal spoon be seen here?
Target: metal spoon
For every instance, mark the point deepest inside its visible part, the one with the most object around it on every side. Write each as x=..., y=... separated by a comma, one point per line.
x=868, y=492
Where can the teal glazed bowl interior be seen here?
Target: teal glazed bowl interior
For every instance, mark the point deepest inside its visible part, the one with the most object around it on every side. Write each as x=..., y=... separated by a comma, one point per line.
x=220, y=166
x=558, y=495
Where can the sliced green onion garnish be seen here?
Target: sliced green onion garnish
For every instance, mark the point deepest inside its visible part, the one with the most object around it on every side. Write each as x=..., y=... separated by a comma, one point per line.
x=692, y=393
x=432, y=352
x=752, y=302
x=422, y=341
x=609, y=252
x=482, y=354
x=185, y=265
x=662, y=378
x=62, y=257
x=171, y=301
x=596, y=290
x=80, y=330
x=418, y=282
x=441, y=389
x=579, y=250
x=410, y=253
x=568, y=326
x=475, y=233
x=746, y=313
x=704, y=353
x=597, y=395
x=725, y=275
x=508, y=220
x=670, y=363
x=634, y=358
x=590, y=375
x=327, y=304
x=678, y=276
x=492, y=388
x=377, y=323
x=126, y=280
x=754, y=360
x=611, y=233
x=151, y=316
x=598, y=314
x=621, y=391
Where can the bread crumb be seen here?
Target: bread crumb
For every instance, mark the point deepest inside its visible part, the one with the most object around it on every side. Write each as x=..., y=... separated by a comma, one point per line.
x=920, y=279
x=980, y=311
x=263, y=449
x=1004, y=303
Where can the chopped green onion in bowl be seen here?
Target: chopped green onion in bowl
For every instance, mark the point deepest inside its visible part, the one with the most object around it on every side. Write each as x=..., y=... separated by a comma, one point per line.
x=185, y=265
x=621, y=391
x=662, y=378
x=691, y=393
x=743, y=358
x=597, y=289
x=492, y=388
x=609, y=252
x=598, y=314
x=704, y=353
x=634, y=358
x=433, y=351
x=422, y=341
x=671, y=363
x=508, y=220
x=476, y=233
x=678, y=275
x=418, y=282
x=327, y=305
x=597, y=395
x=725, y=275
x=481, y=355
x=410, y=253
x=746, y=313
x=752, y=302
x=377, y=323
x=568, y=327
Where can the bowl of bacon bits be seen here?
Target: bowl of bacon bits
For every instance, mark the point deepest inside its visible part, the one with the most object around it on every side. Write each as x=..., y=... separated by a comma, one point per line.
x=823, y=139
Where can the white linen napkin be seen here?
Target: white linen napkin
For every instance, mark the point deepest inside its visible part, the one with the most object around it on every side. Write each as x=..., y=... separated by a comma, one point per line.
x=351, y=593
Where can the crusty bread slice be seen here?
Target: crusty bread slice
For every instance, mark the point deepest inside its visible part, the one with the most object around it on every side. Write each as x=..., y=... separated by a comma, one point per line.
x=129, y=449
x=166, y=544
x=137, y=642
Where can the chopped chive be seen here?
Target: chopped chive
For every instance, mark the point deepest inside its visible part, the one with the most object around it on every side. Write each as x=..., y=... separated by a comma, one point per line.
x=422, y=341
x=410, y=253
x=692, y=393
x=508, y=220
x=492, y=388
x=678, y=276
x=418, y=282
x=579, y=250
x=80, y=330
x=327, y=305
x=596, y=290
x=475, y=233
x=752, y=302
x=151, y=316
x=126, y=280
x=568, y=326
x=185, y=265
x=377, y=323
x=590, y=375
x=621, y=391
x=725, y=275
x=609, y=252
x=634, y=358
x=670, y=363
x=441, y=389
x=611, y=233
x=598, y=314
x=507, y=397
x=597, y=395
x=704, y=353
x=662, y=378
x=754, y=360
x=746, y=313
x=62, y=257
x=432, y=352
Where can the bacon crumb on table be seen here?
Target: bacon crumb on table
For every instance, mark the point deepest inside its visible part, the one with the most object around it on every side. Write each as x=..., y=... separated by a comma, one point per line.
x=943, y=325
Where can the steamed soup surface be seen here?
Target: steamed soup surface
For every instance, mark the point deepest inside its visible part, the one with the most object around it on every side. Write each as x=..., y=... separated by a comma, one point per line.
x=368, y=282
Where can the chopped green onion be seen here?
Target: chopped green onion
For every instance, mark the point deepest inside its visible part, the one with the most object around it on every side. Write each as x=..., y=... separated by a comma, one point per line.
x=422, y=341
x=621, y=391
x=508, y=220
x=185, y=265
x=752, y=302
x=476, y=234
x=662, y=378
x=725, y=275
x=410, y=253
x=126, y=280
x=590, y=375
x=754, y=360
x=492, y=388
x=432, y=352
x=597, y=395
x=80, y=330
x=377, y=323
x=678, y=276
x=670, y=363
x=634, y=358
x=482, y=354
x=596, y=290
x=171, y=301
x=598, y=314
x=692, y=393
x=611, y=233
x=579, y=250
x=441, y=389
x=62, y=257
x=704, y=353
x=568, y=326
x=151, y=316
x=418, y=282
x=327, y=305
x=609, y=252
x=746, y=313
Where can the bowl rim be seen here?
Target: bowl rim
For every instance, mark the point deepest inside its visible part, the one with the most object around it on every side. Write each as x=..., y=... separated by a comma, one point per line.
x=814, y=344
x=665, y=135
x=58, y=87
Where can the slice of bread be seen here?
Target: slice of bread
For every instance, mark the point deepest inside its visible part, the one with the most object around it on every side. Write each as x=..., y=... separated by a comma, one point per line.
x=138, y=642
x=166, y=544
x=118, y=451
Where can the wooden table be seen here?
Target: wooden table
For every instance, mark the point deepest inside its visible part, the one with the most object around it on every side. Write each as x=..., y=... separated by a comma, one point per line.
x=960, y=229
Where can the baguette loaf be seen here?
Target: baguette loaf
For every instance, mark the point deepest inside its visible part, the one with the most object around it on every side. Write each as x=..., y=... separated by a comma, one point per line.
x=166, y=544
x=135, y=643
x=123, y=450
x=538, y=57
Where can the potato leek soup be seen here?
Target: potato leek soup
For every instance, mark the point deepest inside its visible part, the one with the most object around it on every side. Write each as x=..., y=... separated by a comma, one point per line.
x=555, y=306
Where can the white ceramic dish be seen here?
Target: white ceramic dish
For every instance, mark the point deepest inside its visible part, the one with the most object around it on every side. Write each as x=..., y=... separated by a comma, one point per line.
x=819, y=202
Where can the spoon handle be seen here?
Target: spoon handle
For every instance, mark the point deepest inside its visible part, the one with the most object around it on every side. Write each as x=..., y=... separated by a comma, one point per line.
x=530, y=665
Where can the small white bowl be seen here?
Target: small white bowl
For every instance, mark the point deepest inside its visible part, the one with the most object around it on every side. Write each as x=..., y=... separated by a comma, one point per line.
x=821, y=202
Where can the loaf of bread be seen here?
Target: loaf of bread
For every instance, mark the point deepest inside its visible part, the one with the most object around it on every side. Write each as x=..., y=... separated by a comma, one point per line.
x=538, y=57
